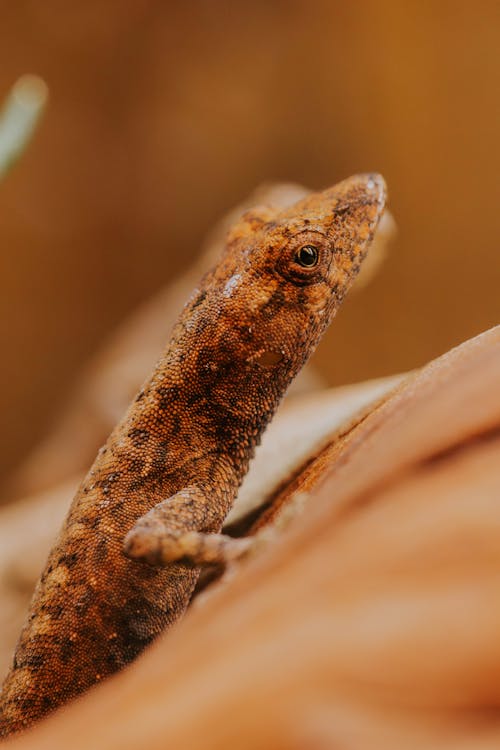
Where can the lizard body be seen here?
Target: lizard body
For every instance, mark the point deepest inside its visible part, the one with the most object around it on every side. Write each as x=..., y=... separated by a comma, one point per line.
x=186, y=441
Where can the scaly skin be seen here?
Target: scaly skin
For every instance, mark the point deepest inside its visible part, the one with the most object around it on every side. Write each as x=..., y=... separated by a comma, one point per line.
x=187, y=440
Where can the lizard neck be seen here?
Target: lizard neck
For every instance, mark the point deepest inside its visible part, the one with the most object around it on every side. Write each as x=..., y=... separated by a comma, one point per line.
x=208, y=403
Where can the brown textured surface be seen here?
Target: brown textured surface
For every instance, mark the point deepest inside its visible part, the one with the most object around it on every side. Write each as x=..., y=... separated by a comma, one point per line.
x=164, y=114
x=192, y=427
x=372, y=623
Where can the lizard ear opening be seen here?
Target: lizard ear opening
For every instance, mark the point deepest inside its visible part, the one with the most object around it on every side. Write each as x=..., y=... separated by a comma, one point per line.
x=268, y=358
x=251, y=221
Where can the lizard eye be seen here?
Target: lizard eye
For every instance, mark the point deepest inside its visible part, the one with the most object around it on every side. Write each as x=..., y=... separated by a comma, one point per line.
x=307, y=256
x=305, y=259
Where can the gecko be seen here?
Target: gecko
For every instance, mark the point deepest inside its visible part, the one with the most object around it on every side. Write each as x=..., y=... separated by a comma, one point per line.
x=150, y=510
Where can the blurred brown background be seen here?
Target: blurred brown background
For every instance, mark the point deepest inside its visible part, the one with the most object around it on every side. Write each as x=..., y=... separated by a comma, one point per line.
x=165, y=114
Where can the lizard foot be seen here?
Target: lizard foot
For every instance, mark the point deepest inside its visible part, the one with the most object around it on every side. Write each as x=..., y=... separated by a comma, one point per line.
x=177, y=529
x=145, y=544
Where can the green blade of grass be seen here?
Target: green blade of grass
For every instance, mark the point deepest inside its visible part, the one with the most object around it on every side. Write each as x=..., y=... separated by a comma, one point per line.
x=19, y=118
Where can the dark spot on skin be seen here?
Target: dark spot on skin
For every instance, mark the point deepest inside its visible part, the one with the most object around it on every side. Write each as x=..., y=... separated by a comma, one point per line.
x=198, y=300
x=138, y=482
x=28, y=703
x=167, y=397
x=246, y=335
x=101, y=551
x=110, y=478
x=227, y=431
x=83, y=602
x=66, y=650
x=136, y=466
x=175, y=422
x=195, y=398
x=34, y=661
x=161, y=453
x=207, y=362
x=133, y=625
x=69, y=560
x=302, y=297
x=114, y=659
x=139, y=436
x=54, y=610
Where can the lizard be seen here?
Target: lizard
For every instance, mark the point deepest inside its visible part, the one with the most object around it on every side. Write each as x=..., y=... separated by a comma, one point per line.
x=150, y=510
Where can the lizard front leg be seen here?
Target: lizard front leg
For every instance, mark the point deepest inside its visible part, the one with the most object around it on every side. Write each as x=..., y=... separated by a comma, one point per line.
x=179, y=529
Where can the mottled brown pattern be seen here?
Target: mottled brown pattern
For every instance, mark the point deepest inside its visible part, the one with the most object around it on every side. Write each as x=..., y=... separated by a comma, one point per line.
x=188, y=436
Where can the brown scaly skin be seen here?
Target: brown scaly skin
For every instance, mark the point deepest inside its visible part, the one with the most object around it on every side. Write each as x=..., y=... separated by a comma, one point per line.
x=187, y=440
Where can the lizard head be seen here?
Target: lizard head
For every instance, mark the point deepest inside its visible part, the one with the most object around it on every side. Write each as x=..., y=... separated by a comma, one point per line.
x=286, y=271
